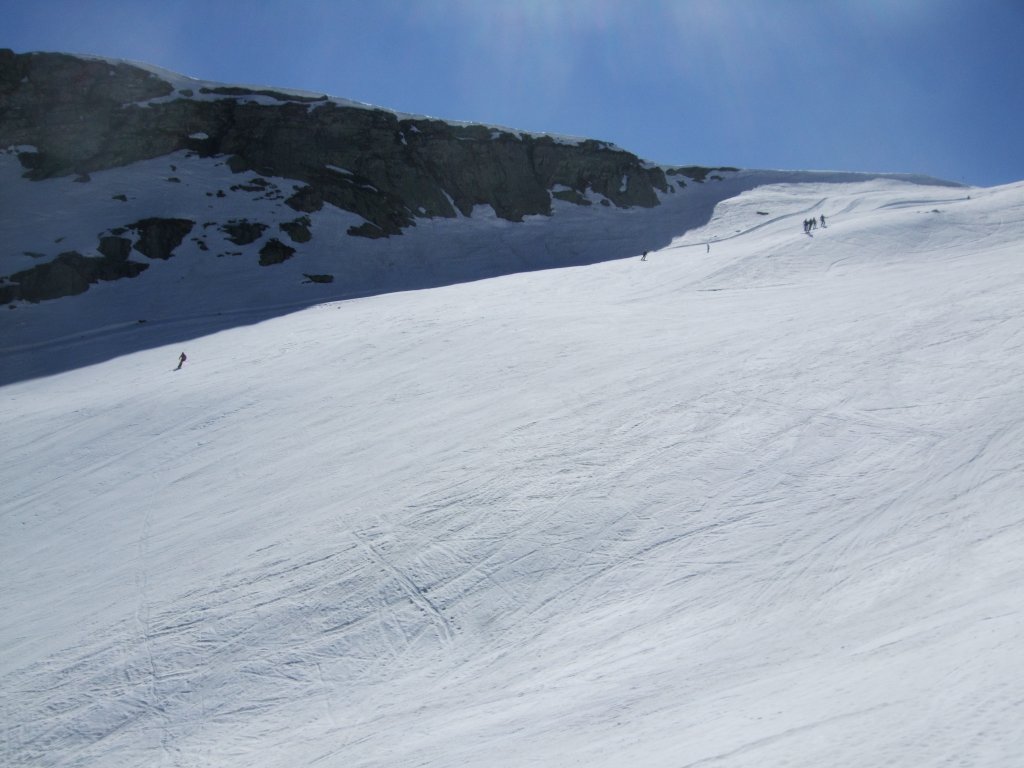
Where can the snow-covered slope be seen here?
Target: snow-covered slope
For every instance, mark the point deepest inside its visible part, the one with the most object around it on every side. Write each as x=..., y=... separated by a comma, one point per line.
x=758, y=505
x=212, y=283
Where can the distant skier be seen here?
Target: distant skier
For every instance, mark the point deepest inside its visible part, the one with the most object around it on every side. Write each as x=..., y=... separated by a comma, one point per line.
x=644, y=257
x=709, y=248
x=181, y=361
x=823, y=220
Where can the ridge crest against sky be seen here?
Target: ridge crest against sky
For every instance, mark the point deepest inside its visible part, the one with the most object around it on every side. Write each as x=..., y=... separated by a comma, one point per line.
x=903, y=86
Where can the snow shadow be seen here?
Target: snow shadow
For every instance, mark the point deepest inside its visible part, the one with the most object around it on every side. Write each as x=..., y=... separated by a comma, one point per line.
x=147, y=312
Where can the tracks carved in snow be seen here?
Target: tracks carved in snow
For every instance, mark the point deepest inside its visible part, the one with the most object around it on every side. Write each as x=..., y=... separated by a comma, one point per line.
x=413, y=592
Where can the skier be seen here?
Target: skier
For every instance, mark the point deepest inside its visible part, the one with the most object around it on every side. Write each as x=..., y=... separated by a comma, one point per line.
x=181, y=361
x=644, y=257
x=823, y=219
x=709, y=248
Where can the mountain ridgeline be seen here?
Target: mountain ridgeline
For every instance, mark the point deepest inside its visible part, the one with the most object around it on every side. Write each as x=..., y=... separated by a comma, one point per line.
x=73, y=116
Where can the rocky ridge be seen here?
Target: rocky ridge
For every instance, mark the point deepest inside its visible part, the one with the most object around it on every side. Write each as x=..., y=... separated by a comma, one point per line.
x=75, y=116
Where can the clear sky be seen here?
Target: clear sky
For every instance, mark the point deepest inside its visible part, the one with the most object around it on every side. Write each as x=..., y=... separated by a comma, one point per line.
x=926, y=86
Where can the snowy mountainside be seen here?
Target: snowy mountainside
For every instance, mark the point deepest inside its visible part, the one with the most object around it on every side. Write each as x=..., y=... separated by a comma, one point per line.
x=750, y=505
x=215, y=279
x=143, y=205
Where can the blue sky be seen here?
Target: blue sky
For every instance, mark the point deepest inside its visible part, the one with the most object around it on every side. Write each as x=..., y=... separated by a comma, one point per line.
x=928, y=86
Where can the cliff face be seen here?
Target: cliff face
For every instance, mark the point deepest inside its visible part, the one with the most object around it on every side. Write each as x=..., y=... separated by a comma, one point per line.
x=86, y=115
x=71, y=118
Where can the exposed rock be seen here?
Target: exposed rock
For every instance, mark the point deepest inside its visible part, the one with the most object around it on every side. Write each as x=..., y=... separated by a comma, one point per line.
x=275, y=252
x=69, y=274
x=255, y=185
x=159, y=237
x=306, y=199
x=115, y=248
x=571, y=196
x=697, y=173
x=84, y=115
x=71, y=108
x=367, y=229
x=243, y=231
x=231, y=90
x=297, y=230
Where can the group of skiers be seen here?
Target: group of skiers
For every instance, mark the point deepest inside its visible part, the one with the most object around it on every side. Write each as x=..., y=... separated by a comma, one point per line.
x=812, y=223
x=809, y=224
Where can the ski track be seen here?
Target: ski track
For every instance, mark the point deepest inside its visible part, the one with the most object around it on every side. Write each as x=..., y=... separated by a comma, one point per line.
x=750, y=507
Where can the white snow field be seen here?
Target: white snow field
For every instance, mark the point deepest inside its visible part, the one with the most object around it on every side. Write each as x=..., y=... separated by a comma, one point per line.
x=758, y=506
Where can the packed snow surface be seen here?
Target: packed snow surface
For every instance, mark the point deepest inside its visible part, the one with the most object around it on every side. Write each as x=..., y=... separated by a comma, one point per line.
x=757, y=505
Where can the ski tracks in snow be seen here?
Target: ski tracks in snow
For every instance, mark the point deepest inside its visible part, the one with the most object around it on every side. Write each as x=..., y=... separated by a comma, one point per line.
x=415, y=593
x=741, y=529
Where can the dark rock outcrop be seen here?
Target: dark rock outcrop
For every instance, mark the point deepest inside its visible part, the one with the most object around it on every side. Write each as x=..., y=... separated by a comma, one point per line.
x=243, y=231
x=72, y=116
x=297, y=230
x=69, y=274
x=85, y=115
x=318, y=278
x=70, y=107
x=115, y=248
x=159, y=237
x=275, y=252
